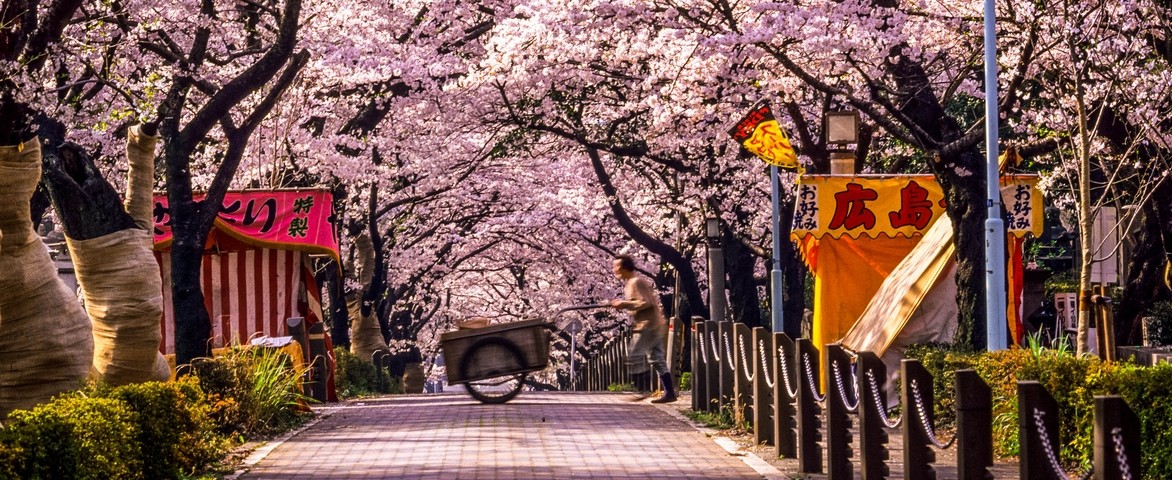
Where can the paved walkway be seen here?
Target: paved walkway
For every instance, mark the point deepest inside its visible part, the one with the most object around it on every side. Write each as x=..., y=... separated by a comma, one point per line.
x=537, y=435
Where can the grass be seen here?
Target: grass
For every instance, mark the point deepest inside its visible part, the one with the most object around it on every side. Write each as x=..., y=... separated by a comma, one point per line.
x=724, y=419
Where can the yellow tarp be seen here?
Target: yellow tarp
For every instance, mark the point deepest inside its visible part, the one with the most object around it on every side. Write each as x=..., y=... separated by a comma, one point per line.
x=888, y=311
x=857, y=267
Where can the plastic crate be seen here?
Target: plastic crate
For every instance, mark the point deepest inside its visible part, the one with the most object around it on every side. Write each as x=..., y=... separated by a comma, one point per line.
x=530, y=336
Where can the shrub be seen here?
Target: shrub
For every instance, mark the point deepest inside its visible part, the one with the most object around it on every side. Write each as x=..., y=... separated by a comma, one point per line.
x=175, y=429
x=10, y=455
x=356, y=376
x=1147, y=390
x=75, y=437
x=685, y=381
x=620, y=387
x=38, y=444
x=252, y=391
x=1073, y=382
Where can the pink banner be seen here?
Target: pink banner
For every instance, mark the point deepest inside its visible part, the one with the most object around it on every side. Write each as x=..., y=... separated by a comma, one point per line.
x=283, y=219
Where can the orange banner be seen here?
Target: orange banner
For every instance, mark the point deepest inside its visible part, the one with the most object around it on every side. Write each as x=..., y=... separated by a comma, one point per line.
x=858, y=206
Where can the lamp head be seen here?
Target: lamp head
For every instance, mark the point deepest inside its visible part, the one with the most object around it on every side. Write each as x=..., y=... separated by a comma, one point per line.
x=842, y=127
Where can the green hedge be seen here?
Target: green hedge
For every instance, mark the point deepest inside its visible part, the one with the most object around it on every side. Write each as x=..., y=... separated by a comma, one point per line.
x=1073, y=382
x=74, y=437
x=175, y=428
x=153, y=430
x=357, y=377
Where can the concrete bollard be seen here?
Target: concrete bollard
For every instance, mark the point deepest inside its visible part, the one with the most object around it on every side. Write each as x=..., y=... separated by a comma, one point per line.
x=974, y=426
x=714, y=366
x=809, y=455
x=1117, y=440
x=918, y=407
x=742, y=385
x=872, y=413
x=763, y=354
x=1038, y=434
x=785, y=396
x=699, y=365
x=838, y=409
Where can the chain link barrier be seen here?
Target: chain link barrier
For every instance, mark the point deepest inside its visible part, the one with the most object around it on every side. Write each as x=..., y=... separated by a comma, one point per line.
x=837, y=372
x=1120, y=453
x=879, y=406
x=728, y=353
x=810, y=379
x=784, y=360
x=922, y=412
x=1047, y=447
x=764, y=363
x=703, y=351
x=715, y=345
x=745, y=363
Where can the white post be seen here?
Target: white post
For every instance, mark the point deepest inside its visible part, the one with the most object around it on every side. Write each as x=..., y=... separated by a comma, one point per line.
x=573, y=350
x=994, y=226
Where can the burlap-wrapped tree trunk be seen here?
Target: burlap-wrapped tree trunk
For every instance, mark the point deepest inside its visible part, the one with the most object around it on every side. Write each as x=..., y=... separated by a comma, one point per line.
x=45, y=342
x=366, y=336
x=121, y=282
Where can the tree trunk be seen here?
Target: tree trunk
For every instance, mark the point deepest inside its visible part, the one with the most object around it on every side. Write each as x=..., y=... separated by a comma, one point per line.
x=966, y=199
x=740, y=266
x=330, y=281
x=1086, y=219
x=193, y=326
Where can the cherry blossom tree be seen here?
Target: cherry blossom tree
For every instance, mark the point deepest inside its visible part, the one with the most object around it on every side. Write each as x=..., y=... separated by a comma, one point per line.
x=1105, y=102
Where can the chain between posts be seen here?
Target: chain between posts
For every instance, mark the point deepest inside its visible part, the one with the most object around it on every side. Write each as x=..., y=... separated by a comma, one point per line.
x=810, y=379
x=790, y=389
x=714, y=344
x=764, y=363
x=1047, y=447
x=923, y=414
x=841, y=389
x=879, y=407
x=1120, y=453
x=728, y=354
x=703, y=352
x=745, y=363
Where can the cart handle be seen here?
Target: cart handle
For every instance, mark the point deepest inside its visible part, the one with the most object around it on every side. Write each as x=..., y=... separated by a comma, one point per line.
x=580, y=307
x=553, y=319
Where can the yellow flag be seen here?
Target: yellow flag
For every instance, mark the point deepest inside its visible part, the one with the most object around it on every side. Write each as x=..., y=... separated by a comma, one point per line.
x=760, y=134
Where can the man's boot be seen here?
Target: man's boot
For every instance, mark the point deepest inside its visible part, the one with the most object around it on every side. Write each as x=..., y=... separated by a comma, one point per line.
x=669, y=389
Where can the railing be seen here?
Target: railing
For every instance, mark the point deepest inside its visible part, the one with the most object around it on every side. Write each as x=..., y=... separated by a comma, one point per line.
x=775, y=381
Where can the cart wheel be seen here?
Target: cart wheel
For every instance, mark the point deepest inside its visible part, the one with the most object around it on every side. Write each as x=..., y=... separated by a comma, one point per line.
x=503, y=356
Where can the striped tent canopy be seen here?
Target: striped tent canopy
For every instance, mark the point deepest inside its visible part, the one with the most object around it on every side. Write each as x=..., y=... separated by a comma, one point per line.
x=257, y=267
x=247, y=293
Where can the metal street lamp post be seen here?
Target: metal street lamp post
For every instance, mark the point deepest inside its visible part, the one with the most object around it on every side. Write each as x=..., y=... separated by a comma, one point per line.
x=775, y=280
x=716, y=303
x=994, y=227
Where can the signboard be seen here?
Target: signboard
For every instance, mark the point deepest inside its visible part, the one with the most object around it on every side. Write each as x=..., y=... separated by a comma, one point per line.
x=281, y=219
x=1105, y=237
x=857, y=206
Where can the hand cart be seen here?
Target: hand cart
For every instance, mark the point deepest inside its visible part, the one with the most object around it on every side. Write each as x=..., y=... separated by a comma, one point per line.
x=493, y=361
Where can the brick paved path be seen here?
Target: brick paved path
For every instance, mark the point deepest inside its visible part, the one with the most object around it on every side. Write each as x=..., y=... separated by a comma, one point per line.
x=537, y=435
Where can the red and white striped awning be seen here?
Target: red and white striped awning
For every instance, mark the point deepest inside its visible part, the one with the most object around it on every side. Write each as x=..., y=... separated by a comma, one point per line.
x=248, y=293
